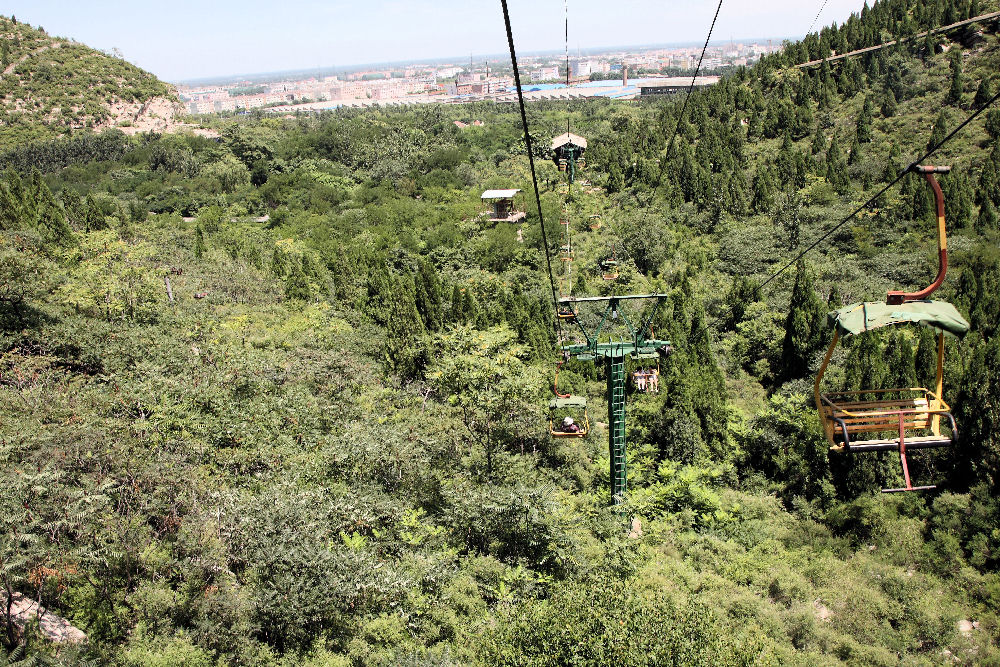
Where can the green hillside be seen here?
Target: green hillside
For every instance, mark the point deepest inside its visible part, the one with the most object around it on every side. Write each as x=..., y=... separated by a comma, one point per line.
x=50, y=86
x=281, y=399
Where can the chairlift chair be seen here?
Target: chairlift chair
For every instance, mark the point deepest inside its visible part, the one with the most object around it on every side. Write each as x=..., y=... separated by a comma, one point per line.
x=559, y=408
x=904, y=418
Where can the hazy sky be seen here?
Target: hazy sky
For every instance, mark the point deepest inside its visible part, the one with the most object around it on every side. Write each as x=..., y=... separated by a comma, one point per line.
x=183, y=39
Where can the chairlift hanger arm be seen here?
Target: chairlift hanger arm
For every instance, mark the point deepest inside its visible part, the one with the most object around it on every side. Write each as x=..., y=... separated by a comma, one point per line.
x=896, y=297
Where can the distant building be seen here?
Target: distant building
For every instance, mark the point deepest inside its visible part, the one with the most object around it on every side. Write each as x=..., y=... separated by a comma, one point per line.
x=583, y=68
x=674, y=84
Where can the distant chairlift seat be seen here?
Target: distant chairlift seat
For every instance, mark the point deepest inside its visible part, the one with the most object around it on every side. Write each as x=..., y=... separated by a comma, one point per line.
x=609, y=269
x=905, y=418
x=566, y=313
x=572, y=406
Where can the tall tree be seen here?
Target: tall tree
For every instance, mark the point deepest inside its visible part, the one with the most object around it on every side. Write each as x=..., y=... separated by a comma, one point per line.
x=957, y=87
x=863, y=125
x=805, y=328
x=983, y=93
x=940, y=130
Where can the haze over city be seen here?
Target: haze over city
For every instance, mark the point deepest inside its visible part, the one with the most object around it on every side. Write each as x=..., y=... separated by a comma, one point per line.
x=190, y=40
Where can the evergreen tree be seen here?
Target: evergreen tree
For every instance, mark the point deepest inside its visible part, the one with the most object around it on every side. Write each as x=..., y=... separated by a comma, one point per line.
x=789, y=216
x=819, y=142
x=989, y=178
x=470, y=308
x=988, y=219
x=978, y=413
x=956, y=88
x=993, y=125
x=940, y=130
x=94, y=216
x=983, y=93
x=804, y=326
x=957, y=200
x=863, y=126
x=763, y=191
x=404, y=353
x=428, y=295
x=199, y=242
x=616, y=181
x=854, y=154
x=836, y=168
x=742, y=293
x=889, y=103
x=833, y=154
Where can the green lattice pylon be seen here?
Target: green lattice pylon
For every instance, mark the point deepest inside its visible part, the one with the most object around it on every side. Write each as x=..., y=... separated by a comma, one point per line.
x=616, y=426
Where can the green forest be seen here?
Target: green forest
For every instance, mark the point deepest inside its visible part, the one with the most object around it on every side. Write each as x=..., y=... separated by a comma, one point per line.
x=280, y=397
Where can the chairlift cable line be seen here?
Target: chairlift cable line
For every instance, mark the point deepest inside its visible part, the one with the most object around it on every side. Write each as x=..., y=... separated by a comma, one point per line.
x=881, y=192
x=813, y=24
x=531, y=161
x=697, y=69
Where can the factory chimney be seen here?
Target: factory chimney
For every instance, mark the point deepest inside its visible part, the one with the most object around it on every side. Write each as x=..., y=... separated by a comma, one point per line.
x=624, y=75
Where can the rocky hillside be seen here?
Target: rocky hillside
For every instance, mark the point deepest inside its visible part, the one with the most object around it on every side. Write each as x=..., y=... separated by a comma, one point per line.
x=51, y=86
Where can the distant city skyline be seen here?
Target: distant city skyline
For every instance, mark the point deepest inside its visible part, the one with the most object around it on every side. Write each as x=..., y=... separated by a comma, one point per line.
x=185, y=40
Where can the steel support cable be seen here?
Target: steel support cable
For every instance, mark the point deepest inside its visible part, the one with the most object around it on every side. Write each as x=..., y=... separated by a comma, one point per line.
x=813, y=24
x=881, y=192
x=677, y=125
x=531, y=161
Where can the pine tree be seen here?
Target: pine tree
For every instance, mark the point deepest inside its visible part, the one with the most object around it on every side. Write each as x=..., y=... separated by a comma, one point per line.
x=957, y=200
x=833, y=155
x=836, y=168
x=957, y=87
x=616, y=181
x=989, y=178
x=987, y=220
x=978, y=412
x=94, y=216
x=763, y=191
x=404, y=353
x=789, y=216
x=983, y=93
x=993, y=125
x=199, y=242
x=889, y=104
x=457, y=313
x=863, y=127
x=818, y=143
x=428, y=289
x=804, y=326
x=939, y=132
x=854, y=154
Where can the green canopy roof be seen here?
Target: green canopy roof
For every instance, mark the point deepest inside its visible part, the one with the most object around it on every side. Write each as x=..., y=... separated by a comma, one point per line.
x=579, y=402
x=860, y=317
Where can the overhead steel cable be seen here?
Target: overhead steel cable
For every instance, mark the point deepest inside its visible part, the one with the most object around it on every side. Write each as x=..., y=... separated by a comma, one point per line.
x=813, y=24
x=697, y=69
x=881, y=192
x=531, y=159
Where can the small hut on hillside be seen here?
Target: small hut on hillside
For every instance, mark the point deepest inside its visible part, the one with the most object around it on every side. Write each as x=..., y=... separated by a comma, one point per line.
x=504, y=209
